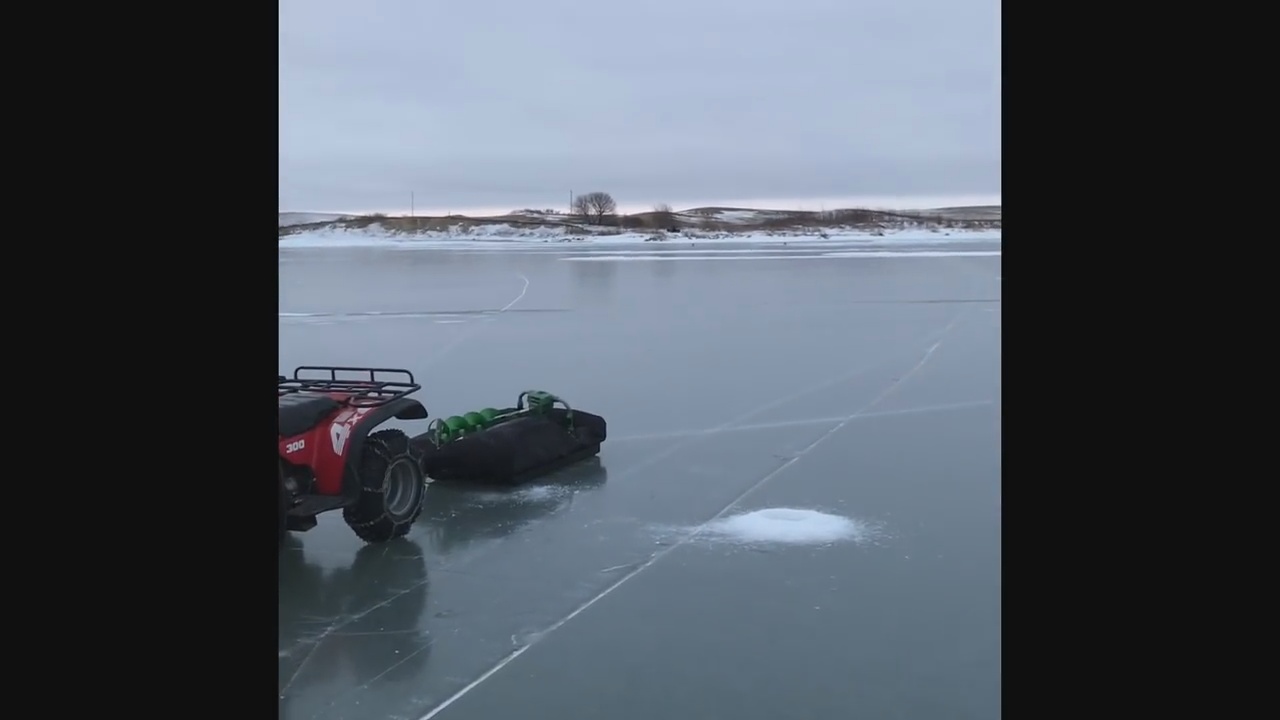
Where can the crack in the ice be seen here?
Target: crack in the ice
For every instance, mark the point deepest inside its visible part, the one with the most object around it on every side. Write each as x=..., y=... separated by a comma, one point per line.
x=897, y=383
x=363, y=633
x=728, y=425
x=365, y=686
x=301, y=664
x=692, y=534
x=467, y=334
x=341, y=622
x=739, y=420
x=832, y=420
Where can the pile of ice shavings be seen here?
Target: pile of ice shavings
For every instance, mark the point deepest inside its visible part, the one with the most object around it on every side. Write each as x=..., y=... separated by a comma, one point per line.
x=787, y=526
x=530, y=494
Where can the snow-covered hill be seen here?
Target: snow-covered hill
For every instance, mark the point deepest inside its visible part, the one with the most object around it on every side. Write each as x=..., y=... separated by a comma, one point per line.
x=702, y=225
x=288, y=219
x=376, y=235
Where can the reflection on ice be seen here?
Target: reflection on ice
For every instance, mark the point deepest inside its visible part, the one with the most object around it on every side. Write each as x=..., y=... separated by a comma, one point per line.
x=351, y=625
x=457, y=515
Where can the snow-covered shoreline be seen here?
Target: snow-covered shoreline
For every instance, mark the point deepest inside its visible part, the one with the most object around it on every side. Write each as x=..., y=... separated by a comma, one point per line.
x=498, y=236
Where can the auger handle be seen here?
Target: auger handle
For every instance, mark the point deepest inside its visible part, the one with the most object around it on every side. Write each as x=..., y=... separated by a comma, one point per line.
x=568, y=414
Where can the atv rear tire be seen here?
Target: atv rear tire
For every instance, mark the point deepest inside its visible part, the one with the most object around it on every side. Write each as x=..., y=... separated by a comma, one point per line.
x=392, y=489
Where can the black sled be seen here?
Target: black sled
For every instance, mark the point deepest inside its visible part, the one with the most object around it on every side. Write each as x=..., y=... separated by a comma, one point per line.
x=511, y=446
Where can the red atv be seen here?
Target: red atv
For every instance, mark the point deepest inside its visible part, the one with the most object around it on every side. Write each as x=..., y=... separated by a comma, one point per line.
x=331, y=457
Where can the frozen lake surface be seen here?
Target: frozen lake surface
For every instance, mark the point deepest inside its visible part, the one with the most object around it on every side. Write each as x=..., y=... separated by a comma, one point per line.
x=797, y=512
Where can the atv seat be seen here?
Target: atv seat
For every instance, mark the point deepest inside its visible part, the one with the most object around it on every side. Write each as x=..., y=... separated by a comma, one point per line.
x=299, y=412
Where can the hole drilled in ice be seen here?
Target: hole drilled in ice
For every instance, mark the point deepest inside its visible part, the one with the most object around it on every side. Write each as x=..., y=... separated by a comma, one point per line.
x=790, y=526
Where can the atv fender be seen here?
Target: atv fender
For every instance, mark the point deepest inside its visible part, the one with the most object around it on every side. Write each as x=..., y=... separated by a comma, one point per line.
x=400, y=409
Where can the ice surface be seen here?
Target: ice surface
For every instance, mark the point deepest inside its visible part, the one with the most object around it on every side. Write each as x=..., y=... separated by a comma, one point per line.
x=440, y=318
x=713, y=376
x=787, y=526
x=653, y=257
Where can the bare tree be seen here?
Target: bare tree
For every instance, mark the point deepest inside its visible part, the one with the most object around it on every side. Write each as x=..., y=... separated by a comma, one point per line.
x=663, y=217
x=594, y=206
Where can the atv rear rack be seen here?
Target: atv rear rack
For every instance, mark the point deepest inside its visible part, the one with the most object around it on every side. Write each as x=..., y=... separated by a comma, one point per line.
x=369, y=390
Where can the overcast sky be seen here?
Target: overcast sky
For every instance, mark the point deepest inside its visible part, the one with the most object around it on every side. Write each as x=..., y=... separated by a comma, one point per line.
x=505, y=104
